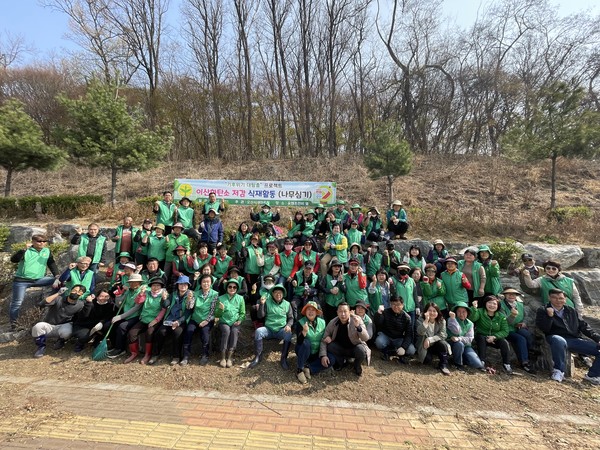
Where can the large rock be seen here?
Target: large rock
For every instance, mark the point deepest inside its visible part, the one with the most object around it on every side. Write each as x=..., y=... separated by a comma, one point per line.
x=403, y=246
x=567, y=255
x=588, y=285
x=591, y=257
x=21, y=233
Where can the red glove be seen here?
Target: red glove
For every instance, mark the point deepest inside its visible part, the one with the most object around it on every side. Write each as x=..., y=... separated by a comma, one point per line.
x=465, y=282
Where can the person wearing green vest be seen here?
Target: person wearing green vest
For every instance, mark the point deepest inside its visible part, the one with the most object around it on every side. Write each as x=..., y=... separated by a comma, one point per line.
x=356, y=283
x=296, y=226
x=335, y=245
x=231, y=312
x=156, y=245
x=373, y=260
x=306, y=288
x=492, y=270
x=152, y=270
x=320, y=212
x=306, y=253
x=334, y=288
x=357, y=216
x=287, y=259
x=396, y=219
x=200, y=314
x=166, y=211
x=554, y=279
x=31, y=272
x=154, y=307
x=405, y=287
x=185, y=214
x=414, y=258
x=174, y=321
x=213, y=203
x=355, y=252
x=392, y=259
x=174, y=240
x=475, y=273
x=340, y=213
x=278, y=317
x=361, y=309
x=461, y=333
x=264, y=219
x=491, y=329
x=379, y=291
x=221, y=262
x=455, y=283
x=141, y=251
x=433, y=289
x=79, y=273
x=124, y=235
x=519, y=336
x=374, y=226
x=309, y=333
x=92, y=245
x=242, y=234
x=355, y=236
x=272, y=264
x=253, y=260
x=131, y=301
x=310, y=225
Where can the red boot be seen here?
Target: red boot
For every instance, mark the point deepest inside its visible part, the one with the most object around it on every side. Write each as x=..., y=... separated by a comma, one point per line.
x=147, y=355
x=134, y=349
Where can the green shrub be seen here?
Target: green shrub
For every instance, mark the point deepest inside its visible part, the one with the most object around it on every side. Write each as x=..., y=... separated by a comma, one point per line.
x=504, y=250
x=567, y=213
x=4, y=232
x=549, y=239
x=148, y=201
x=8, y=206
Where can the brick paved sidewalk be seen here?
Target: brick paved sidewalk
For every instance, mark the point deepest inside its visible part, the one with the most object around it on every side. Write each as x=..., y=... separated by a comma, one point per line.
x=94, y=415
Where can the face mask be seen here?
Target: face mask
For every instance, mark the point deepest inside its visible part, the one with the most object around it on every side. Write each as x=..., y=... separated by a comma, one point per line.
x=268, y=286
x=265, y=210
x=403, y=272
x=73, y=296
x=288, y=246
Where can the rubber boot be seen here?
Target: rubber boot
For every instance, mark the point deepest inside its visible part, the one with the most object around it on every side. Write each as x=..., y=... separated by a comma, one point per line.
x=147, y=355
x=258, y=349
x=223, y=362
x=444, y=364
x=40, y=341
x=284, y=355
x=229, y=362
x=134, y=350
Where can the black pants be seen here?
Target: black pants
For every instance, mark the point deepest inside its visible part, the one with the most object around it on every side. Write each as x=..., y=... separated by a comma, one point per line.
x=358, y=352
x=502, y=344
x=161, y=335
x=401, y=228
x=437, y=349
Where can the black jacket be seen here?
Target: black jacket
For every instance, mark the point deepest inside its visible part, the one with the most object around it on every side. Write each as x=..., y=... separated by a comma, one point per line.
x=395, y=326
x=570, y=326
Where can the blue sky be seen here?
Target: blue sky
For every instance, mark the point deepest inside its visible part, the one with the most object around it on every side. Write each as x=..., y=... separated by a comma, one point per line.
x=44, y=30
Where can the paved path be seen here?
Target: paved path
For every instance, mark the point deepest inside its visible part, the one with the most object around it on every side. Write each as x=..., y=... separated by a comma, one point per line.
x=109, y=416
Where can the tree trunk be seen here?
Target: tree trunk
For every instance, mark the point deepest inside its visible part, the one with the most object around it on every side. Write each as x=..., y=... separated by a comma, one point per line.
x=9, y=172
x=390, y=179
x=553, y=181
x=113, y=187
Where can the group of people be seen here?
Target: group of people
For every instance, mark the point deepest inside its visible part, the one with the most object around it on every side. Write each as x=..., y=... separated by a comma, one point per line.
x=334, y=286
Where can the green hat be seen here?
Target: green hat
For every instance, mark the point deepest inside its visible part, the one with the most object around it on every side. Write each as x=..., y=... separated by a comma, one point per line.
x=318, y=205
x=485, y=248
x=266, y=204
x=309, y=211
x=279, y=287
x=125, y=255
x=461, y=305
x=234, y=281
x=355, y=206
x=340, y=202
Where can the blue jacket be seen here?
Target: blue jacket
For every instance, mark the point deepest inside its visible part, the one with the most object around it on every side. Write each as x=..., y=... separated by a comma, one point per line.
x=212, y=230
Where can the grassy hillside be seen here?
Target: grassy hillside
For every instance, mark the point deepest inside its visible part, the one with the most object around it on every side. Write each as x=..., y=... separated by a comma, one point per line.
x=467, y=198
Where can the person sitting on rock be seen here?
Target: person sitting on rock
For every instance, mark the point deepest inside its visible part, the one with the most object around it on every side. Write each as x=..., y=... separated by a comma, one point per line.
x=554, y=279
x=31, y=272
x=91, y=244
x=278, y=319
x=373, y=224
x=397, y=223
x=565, y=330
x=394, y=330
x=527, y=264
x=519, y=335
x=58, y=321
x=345, y=337
x=93, y=320
x=461, y=332
x=437, y=255
x=152, y=270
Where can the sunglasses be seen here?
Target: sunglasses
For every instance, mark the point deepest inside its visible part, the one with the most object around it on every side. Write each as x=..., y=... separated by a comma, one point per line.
x=551, y=268
x=231, y=287
x=41, y=242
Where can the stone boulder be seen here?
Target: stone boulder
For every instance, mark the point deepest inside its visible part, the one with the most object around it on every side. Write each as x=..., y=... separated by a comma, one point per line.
x=21, y=233
x=591, y=257
x=403, y=246
x=567, y=255
x=588, y=285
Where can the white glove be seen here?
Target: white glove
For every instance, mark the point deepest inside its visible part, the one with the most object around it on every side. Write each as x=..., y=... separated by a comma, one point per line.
x=56, y=284
x=401, y=351
x=96, y=328
x=62, y=290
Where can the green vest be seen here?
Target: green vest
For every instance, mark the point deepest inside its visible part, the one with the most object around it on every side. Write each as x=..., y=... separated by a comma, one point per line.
x=455, y=292
x=239, y=238
x=309, y=228
x=395, y=253
x=265, y=218
x=565, y=284
x=165, y=213
x=33, y=264
x=221, y=266
x=287, y=263
x=207, y=206
x=492, y=281
x=150, y=308
x=186, y=216
x=312, y=282
x=234, y=309
x=353, y=291
x=406, y=291
x=157, y=247
x=354, y=236
x=434, y=293
x=76, y=278
x=465, y=326
x=269, y=263
x=83, y=245
x=276, y=314
x=337, y=239
x=416, y=263
x=331, y=299
x=315, y=333
x=203, y=305
x=146, y=278
x=505, y=308
x=129, y=301
x=119, y=232
x=251, y=266
x=474, y=275
x=295, y=228
x=374, y=264
x=175, y=241
x=340, y=216
x=374, y=224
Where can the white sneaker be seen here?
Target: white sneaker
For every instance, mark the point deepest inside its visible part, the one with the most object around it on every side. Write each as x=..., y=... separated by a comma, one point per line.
x=593, y=380
x=557, y=375
x=507, y=368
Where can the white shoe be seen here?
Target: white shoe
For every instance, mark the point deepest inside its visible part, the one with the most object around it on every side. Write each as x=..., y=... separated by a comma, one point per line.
x=507, y=368
x=593, y=380
x=557, y=375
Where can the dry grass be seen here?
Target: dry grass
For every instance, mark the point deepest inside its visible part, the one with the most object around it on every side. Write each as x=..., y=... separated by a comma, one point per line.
x=469, y=198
